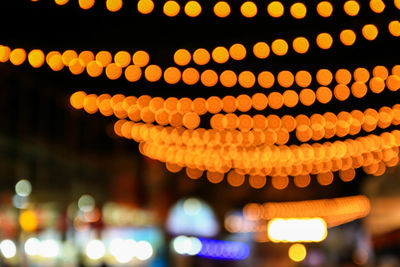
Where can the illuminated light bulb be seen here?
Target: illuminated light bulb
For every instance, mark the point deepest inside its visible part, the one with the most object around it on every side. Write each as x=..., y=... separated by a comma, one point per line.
x=228, y=78
x=394, y=28
x=86, y=4
x=215, y=177
x=28, y=221
x=279, y=47
x=182, y=57
x=133, y=73
x=95, y=249
x=324, y=40
x=246, y=79
x=153, y=73
x=351, y=8
x=192, y=9
x=36, y=58
x=4, y=53
x=190, y=76
x=298, y=10
x=145, y=6
x=237, y=52
x=17, y=56
x=141, y=58
x=266, y=79
x=325, y=178
x=172, y=75
x=222, y=9
x=377, y=6
x=347, y=37
x=300, y=45
x=307, y=97
x=104, y=57
x=324, y=95
x=370, y=32
x=259, y=101
x=32, y=246
x=171, y=8
x=113, y=71
x=122, y=58
x=285, y=78
x=8, y=248
x=297, y=252
x=248, y=9
x=220, y=54
x=261, y=50
x=209, y=78
x=341, y=92
x=324, y=9
x=86, y=57
x=343, y=76
x=94, y=69
x=275, y=9
x=114, y=5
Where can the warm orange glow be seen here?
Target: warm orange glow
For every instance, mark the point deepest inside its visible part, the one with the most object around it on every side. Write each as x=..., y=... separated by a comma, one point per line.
x=171, y=8
x=68, y=55
x=361, y=75
x=300, y=45
x=113, y=71
x=94, y=68
x=324, y=40
x=86, y=4
x=17, y=56
x=377, y=6
x=285, y=78
x=86, y=57
x=133, y=73
x=324, y=77
x=61, y=2
x=279, y=47
x=248, y=9
x=141, y=58
x=348, y=37
x=122, y=58
x=275, y=9
x=275, y=100
x=77, y=99
x=307, y=97
x=237, y=52
x=260, y=101
x=257, y=181
x=297, y=252
x=266, y=79
x=153, y=73
x=55, y=62
x=36, y=58
x=280, y=182
x=228, y=78
x=4, y=53
x=28, y=221
x=114, y=5
x=145, y=6
x=215, y=177
x=220, y=54
x=190, y=76
x=182, y=57
x=192, y=9
x=343, y=76
x=104, y=57
x=325, y=178
x=194, y=173
x=201, y=56
x=303, y=78
x=222, y=9
x=246, y=79
x=209, y=78
x=172, y=75
x=298, y=10
x=261, y=50
x=351, y=8
x=324, y=95
x=394, y=28
x=325, y=9
x=235, y=179
x=370, y=32
x=76, y=66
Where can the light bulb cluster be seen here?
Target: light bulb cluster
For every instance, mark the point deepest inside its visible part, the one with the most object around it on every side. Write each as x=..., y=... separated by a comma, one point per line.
x=248, y=9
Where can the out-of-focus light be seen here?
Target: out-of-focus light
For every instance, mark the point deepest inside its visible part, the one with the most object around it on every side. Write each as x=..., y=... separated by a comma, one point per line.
x=123, y=250
x=8, y=248
x=297, y=252
x=32, y=246
x=208, y=248
x=23, y=188
x=49, y=248
x=28, y=221
x=144, y=250
x=86, y=203
x=20, y=202
x=297, y=230
x=191, y=206
x=95, y=249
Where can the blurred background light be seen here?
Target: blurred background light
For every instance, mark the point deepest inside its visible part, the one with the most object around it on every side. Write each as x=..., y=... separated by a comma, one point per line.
x=123, y=250
x=49, y=248
x=297, y=252
x=23, y=188
x=86, y=203
x=95, y=249
x=32, y=246
x=8, y=248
